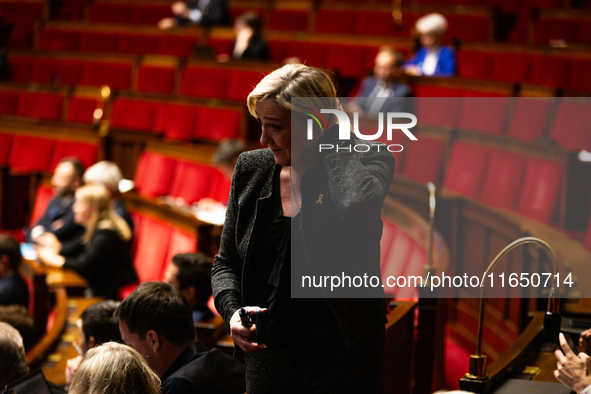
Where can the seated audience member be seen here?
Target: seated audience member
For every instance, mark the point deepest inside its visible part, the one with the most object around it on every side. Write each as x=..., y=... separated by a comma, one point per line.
x=114, y=368
x=108, y=174
x=102, y=254
x=19, y=317
x=95, y=327
x=156, y=321
x=13, y=289
x=190, y=274
x=433, y=58
x=13, y=365
x=573, y=369
x=226, y=155
x=59, y=218
x=384, y=84
x=249, y=44
x=197, y=12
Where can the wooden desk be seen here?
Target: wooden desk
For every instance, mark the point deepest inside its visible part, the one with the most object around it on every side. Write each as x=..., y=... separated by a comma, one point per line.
x=59, y=277
x=54, y=368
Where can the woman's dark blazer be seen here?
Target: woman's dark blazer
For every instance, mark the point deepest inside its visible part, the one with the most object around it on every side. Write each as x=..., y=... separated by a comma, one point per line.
x=346, y=227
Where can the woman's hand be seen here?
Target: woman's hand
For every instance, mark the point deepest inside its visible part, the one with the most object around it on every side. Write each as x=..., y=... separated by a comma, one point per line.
x=240, y=333
x=49, y=257
x=49, y=240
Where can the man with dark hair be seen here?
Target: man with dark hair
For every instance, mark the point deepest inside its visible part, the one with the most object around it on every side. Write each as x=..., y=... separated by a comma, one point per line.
x=190, y=274
x=156, y=321
x=18, y=317
x=95, y=326
x=13, y=289
x=59, y=218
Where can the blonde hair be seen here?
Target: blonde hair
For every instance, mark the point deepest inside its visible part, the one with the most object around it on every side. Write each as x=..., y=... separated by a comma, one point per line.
x=293, y=80
x=114, y=368
x=103, y=215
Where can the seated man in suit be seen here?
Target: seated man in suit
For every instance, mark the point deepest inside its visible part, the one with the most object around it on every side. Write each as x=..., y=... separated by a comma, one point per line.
x=190, y=274
x=59, y=218
x=157, y=322
x=385, y=86
x=13, y=289
x=95, y=326
x=202, y=12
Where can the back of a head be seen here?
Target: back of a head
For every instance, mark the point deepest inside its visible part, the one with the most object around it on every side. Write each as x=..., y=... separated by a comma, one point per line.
x=18, y=317
x=114, y=368
x=293, y=80
x=10, y=247
x=160, y=307
x=77, y=166
x=105, y=173
x=98, y=322
x=12, y=361
x=397, y=58
x=431, y=24
x=228, y=151
x=195, y=270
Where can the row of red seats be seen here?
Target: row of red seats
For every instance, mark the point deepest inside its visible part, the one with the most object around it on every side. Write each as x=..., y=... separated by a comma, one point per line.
x=570, y=30
x=128, y=13
x=545, y=70
x=175, y=121
x=565, y=121
x=30, y=154
x=158, y=175
x=502, y=179
x=55, y=39
x=45, y=70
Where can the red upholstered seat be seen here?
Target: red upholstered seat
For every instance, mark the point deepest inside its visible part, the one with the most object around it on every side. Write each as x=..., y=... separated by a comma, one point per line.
x=484, y=114
x=424, y=160
x=86, y=153
x=154, y=174
x=579, y=78
x=43, y=195
x=175, y=45
x=434, y=111
x=150, y=14
x=339, y=58
x=541, y=189
x=180, y=242
x=67, y=72
x=156, y=79
x=58, y=40
x=572, y=123
x=116, y=75
x=510, y=67
x=221, y=45
x=133, y=114
x=475, y=64
x=218, y=123
x=503, y=179
x=190, y=181
x=81, y=110
x=530, y=118
x=550, y=71
x=437, y=91
x=466, y=168
x=547, y=29
x=30, y=154
x=219, y=187
x=139, y=43
x=241, y=83
x=22, y=15
x=468, y=27
x=106, y=12
x=5, y=142
x=176, y=122
x=9, y=102
x=335, y=21
x=98, y=42
x=46, y=106
x=20, y=68
x=152, y=249
x=377, y=23
x=288, y=20
x=204, y=82
x=312, y=54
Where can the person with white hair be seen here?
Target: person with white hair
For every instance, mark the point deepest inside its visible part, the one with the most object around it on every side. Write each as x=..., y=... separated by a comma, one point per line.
x=107, y=173
x=433, y=58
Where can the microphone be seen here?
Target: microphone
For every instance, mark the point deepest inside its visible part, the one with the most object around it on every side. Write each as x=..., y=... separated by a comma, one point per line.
x=552, y=319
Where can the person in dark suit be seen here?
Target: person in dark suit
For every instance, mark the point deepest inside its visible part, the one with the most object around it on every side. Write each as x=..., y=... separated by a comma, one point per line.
x=433, y=58
x=156, y=321
x=319, y=214
x=197, y=12
x=59, y=218
x=102, y=255
x=384, y=87
x=249, y=45
x=13, y=289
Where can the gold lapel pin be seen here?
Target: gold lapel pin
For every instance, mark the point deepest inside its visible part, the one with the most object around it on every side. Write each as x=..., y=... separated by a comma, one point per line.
x=320, y=199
